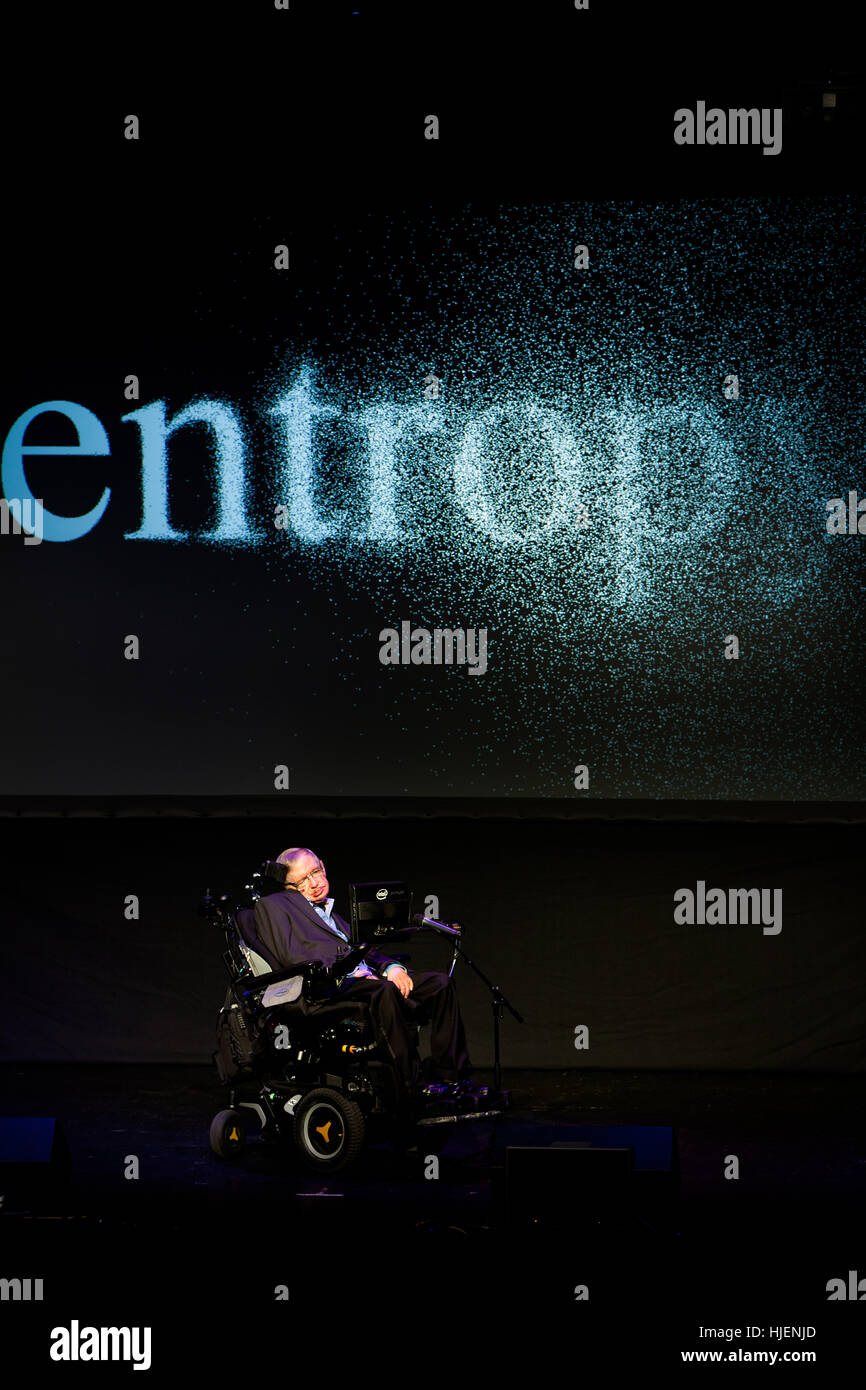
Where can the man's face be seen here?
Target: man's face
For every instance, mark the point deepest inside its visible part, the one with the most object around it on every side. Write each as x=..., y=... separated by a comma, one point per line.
x=307, y=875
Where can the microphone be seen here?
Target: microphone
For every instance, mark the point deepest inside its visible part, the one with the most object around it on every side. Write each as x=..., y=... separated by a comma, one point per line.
x=420, y=922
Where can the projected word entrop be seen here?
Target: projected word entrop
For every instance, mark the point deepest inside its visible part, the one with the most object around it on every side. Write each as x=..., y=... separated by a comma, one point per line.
x=634, y=490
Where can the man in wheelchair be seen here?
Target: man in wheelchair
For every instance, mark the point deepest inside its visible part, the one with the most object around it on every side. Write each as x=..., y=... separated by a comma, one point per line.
x=324, y=1049
x=299, y=926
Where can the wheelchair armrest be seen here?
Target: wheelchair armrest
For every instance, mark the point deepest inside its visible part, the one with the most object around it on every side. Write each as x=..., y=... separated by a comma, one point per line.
x=321, y=980
x=318, y=980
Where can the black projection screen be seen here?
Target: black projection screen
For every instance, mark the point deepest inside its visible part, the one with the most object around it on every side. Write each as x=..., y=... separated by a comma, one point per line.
x=512, y=499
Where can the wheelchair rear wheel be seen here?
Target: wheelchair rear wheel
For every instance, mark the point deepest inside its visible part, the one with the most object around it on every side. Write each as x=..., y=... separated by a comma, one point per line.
x=228, y=1133
x=328, y=1130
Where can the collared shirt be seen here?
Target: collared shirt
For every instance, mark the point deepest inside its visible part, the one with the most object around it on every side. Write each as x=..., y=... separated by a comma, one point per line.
x=363, y=969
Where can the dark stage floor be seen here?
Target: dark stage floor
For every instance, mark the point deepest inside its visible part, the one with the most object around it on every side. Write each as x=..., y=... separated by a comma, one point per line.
x=709, y=1250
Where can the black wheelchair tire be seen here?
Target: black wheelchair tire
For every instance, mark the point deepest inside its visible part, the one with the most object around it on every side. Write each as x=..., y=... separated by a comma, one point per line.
x=327, y=1105
x=228, y=1133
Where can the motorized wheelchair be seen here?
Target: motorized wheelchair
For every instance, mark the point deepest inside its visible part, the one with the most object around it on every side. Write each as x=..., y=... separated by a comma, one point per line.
x=312, y=1076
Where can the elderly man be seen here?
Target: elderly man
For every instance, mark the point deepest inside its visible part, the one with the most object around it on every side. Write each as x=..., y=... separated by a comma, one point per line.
x=299, y=925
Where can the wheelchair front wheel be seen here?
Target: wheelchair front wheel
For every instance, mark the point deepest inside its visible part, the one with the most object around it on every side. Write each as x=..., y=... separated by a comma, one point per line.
x=228, y=1133
x=328, y=1130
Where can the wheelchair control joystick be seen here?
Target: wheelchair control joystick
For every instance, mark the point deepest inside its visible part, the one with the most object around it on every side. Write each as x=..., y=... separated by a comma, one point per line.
x=322, y=979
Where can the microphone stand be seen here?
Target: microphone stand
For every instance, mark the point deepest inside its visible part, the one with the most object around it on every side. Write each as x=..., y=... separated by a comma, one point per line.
x=498, y=1002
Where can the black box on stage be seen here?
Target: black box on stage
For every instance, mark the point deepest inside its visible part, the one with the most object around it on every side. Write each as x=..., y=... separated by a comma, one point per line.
x=379, y=911
x=606, y=1173
x=568, y=1186
x=34, y=1159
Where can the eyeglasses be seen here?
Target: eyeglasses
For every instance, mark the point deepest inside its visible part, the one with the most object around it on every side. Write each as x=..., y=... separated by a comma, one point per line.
x=308, y=878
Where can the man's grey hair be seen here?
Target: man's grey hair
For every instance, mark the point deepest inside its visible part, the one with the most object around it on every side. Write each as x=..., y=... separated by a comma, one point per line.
x=290, y=857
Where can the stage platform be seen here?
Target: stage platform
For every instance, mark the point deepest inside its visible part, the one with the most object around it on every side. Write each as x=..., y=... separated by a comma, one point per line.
x=694, y=1250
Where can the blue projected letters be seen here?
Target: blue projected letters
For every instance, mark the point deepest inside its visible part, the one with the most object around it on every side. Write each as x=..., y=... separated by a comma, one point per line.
x=155, y=525
x=611, y=500
x=92, y=440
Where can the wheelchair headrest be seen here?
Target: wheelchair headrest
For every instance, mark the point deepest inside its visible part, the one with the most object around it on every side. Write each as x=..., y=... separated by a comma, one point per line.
x=270, y=878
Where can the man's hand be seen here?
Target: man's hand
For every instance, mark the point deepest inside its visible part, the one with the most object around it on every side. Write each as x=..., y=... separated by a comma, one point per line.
x=402, y=979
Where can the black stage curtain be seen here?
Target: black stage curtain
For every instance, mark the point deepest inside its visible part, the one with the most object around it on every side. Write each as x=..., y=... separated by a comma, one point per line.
x=573, y=917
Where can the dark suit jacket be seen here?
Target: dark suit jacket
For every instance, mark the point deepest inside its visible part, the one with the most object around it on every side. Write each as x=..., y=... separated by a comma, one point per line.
x=292, y=931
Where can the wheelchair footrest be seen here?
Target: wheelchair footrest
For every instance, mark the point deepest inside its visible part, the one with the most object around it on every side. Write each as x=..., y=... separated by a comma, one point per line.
x=458, y=1119
x=443, y=1102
